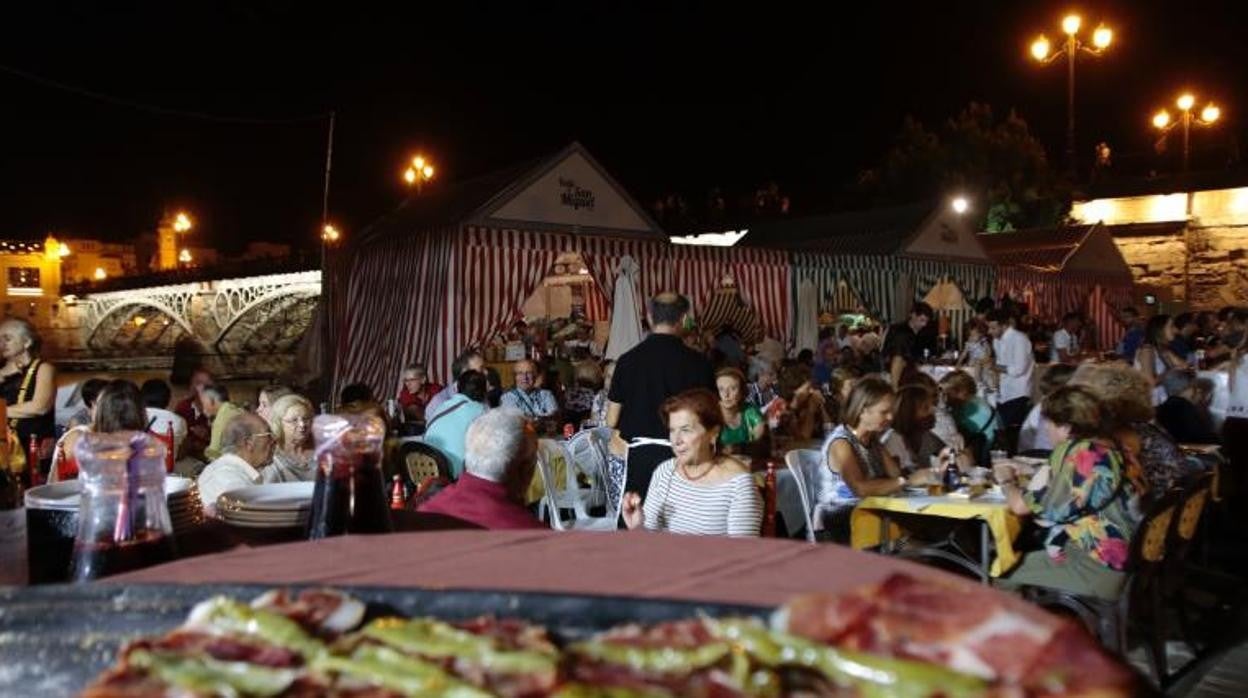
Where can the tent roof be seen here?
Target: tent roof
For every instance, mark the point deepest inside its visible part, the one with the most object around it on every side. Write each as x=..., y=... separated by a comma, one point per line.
x=478, y=198
x=877, y=231
x=1076, y=248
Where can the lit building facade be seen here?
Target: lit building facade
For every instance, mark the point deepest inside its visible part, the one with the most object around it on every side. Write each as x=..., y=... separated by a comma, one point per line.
x=1188, y=248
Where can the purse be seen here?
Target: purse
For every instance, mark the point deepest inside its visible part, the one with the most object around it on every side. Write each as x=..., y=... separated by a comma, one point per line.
x=1034, y=534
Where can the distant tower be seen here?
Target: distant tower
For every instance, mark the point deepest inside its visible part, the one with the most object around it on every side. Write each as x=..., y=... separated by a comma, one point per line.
x=171, y=227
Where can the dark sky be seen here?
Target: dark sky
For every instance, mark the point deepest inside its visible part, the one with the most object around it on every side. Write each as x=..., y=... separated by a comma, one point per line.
x=668, y=96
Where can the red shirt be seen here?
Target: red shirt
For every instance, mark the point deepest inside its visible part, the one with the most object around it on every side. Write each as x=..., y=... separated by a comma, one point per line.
x=420, y=398
x=481, y=502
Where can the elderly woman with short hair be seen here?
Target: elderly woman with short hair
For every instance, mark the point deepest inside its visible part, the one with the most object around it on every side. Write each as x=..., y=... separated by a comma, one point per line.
x=290, y=420
x=1082, y=500
x=698, y=491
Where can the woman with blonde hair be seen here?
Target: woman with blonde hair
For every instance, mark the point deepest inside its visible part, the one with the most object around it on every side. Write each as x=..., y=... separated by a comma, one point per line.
x=290, y=421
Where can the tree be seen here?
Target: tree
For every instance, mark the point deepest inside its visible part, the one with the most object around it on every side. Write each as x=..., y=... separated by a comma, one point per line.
x=974, y=152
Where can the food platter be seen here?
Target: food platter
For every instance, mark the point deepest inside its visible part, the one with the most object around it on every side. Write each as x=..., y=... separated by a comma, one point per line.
x=56, y=639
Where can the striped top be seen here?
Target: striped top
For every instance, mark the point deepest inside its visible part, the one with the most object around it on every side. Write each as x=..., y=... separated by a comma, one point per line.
x=732, y=507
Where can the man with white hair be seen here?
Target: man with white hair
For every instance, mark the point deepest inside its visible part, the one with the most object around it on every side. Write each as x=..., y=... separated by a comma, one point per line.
x=248, y=444
x=500, y=449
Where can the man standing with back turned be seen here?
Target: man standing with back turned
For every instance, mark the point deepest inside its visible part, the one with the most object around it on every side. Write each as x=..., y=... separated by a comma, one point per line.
x=659, y=367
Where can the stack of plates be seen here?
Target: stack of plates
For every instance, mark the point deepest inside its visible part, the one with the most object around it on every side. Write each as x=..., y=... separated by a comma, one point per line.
x=185, y=509
x=277, y=505
x=181, y=495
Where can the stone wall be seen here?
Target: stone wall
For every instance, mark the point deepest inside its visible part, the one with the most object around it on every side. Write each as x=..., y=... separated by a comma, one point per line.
x=1218, y=272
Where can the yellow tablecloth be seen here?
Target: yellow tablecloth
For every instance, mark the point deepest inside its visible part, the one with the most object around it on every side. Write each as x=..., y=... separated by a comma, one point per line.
x=558, y=470
x=1002, y=523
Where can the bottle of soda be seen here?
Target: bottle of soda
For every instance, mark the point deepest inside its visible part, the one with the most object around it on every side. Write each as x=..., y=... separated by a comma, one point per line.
x=350, y=491
x=951, y=479
x=34, y=477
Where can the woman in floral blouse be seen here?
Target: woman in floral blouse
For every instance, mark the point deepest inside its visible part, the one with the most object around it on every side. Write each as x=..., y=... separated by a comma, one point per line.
x=1082, y=499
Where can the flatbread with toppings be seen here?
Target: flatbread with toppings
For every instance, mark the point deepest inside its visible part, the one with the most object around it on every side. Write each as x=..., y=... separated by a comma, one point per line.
x=905, y=637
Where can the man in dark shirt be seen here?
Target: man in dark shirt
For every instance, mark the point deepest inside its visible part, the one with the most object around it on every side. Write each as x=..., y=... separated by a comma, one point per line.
x=1187, y=422
x=1183, y=344
x=902, y=351
x=649, y=373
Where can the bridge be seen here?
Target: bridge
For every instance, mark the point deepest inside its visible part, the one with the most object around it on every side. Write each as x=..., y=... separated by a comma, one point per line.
x=240, y=320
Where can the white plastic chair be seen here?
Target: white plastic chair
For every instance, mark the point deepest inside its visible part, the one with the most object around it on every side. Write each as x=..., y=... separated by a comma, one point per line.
x=586, y=453
x=804, y=464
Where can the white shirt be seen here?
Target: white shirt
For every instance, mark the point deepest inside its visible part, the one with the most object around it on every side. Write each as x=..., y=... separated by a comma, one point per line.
x=1065, y=341
x=1034, y=436
x=229, y=472
x=1014, y=355
x=159, y=424
x=536, y=403
x=1237, y=400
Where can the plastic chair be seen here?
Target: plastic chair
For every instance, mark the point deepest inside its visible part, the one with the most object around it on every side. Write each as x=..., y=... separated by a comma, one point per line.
x=548, y=503
x=803, y=464
x=1141, y=599
x=424, y=465
x=587, y=452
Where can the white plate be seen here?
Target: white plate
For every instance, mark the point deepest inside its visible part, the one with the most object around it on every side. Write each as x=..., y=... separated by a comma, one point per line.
x=64, y=495
x=279, y=496
x=298, y=522
x=262, y=515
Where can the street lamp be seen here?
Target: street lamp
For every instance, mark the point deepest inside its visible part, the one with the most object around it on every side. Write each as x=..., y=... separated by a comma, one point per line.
x=330, y=234
x=182, y=222
x=960, y=205
x=184, y=257
x=1186, y=101
x=100, y=274
x=418, y=172
x=1072, y=46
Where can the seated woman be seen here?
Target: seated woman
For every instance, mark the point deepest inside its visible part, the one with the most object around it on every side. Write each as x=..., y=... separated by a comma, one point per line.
x=699, y=491
x=290, y=420
x=1034, y=435
x=1083, y=499
x=911, y=440
x=118, y=407
x=1153, y=459
x=744, y=426
x=857, y=463
x=977, y=421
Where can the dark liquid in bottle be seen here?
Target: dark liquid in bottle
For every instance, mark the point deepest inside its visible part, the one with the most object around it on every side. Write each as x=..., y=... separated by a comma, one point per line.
x=349, y=497
x=951, y=478
x=96, y=560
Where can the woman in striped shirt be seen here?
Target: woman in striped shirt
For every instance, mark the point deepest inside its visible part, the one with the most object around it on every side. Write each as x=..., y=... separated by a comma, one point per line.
x=699, y=491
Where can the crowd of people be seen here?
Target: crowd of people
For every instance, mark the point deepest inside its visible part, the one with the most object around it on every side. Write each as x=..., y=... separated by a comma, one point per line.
x=694, y=414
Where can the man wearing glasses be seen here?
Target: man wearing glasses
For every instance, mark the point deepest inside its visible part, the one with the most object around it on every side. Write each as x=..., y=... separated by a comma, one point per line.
x=416, y=392
x=248, y=447
x=534, y=402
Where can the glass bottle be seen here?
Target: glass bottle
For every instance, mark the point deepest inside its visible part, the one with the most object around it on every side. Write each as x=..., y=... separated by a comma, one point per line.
x=123, y=520
x=350, y=491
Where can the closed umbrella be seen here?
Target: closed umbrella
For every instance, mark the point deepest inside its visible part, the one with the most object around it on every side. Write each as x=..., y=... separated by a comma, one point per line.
x=807, y=316
x=625, y=318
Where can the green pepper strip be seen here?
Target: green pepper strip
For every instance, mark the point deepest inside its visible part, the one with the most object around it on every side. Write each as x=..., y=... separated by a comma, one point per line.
x=208, y=676
x=431, y=638
x=240, y=619
x=654, y=660
x=873, y=676
x=395, y=671
x=580, y=690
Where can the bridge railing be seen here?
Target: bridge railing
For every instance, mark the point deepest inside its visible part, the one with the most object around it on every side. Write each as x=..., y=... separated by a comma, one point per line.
x=198, y=274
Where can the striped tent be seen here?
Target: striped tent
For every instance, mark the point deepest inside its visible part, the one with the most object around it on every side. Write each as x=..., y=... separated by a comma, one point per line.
x=762, y=278
x=1060, y=270
x=726, y=309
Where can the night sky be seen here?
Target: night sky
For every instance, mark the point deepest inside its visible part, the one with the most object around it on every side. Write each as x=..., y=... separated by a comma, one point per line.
x=673, y=96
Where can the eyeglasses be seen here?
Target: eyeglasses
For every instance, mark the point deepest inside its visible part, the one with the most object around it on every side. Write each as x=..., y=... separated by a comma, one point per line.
x=262, y=435
x=409, y=379
x=296, y=420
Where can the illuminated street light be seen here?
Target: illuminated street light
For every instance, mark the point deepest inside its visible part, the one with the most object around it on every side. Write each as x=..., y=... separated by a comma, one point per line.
x=1040, y=48
x=63, y=250
x=418, y=172
x=1162, y=122
x=182, y=222
x=1102, y=37
x=960, y=205
x=184, y=256
x=100, y=274
x=1072, y=46
x=330, y=234
x=139, y=321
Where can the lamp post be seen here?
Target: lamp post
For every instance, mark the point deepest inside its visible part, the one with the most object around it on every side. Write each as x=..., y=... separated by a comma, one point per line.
x=1163, y=123
x=418, y=172
x=1072, y=46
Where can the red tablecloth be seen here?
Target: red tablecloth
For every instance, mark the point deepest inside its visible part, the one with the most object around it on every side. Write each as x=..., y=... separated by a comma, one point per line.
x=635, y=563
